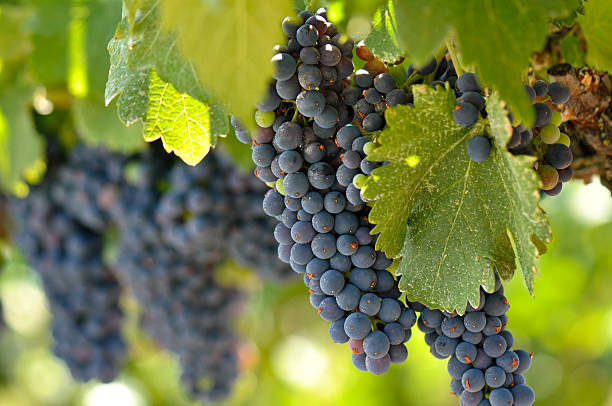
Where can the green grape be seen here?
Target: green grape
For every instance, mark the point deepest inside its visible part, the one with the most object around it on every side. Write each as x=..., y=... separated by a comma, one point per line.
x=279, y=186
x=564, y=139
x=270, y=184
x=549, y=176
x=359, y=180
x=556, y=118
x=264, y=119
x=368, y=147
x=550, y=133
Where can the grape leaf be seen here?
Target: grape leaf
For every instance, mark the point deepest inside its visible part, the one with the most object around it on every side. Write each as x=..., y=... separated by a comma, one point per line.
x=129, y=87
x=481, y=28
x=459, y=218
x=230, y=43
x=20, y=146
x=382, y=41
x=596, y=25
x=182, y=122
x=151, y=47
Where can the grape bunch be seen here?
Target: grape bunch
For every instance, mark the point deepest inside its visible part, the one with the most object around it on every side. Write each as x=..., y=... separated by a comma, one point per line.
x=324, y=234
x=545, y=140
x=82, y=291
x=184, y=309
x=484, y=368
x=373, y=90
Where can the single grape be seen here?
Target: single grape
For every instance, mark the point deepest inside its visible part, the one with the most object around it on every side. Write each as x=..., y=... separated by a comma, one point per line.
x=549, y=176
x=328, y=118
x=509, y=361
x=398, y=353
x=473, y=380
x=310, y=55
x=329, y=310
x=290, y=161
x=336, y=331
x=565, y=174
x=330, y=55
x=357, y=326
x=522, y=395
x=559, y=156
x=373, y=122
x=550, y=133
x=530, y=92
x=323, y=246
x=453, y=327
x=468, y=398
x=494, y=346
x=332, y=282
x=474, y=98
x=309, y=76
x=370, y=304
x=428, y=68
x=468, y=82
x=363, y=78
x=445, y=346
x=347, y=244
x=457, y=368
x=495, y=377
x=540, y=87
x=390, y=310
x=310, y=102
x=321, y=175
x=301, y=253
x=376, y=344
x=359, y=361
x=323, y=222
x=466, y=352
x=395, y=332
x=284, y=66
x=296, y=184
x=559, y=92
x=378, y=366
x=479, y=148
x=348, y=298
x=302, y=232
x=543, y=114
x=384, y=83
x=475, y=321
x=501, y=397
x=307, y=35
x=466, y=115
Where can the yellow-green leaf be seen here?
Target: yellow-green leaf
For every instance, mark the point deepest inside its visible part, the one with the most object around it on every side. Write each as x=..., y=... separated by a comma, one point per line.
x=182, y=122
x=596, y=25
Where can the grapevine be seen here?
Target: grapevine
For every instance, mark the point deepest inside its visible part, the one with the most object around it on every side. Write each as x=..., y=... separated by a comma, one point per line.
x=397, y=158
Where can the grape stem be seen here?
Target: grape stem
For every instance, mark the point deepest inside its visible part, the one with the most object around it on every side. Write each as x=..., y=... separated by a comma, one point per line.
x=451, y=50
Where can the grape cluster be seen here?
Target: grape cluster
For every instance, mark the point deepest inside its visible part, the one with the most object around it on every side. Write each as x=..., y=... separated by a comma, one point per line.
x=82, y=291
x=373, y=90
x=545, y=140
x=323, y=231
x=485, y=370
x=184, y=309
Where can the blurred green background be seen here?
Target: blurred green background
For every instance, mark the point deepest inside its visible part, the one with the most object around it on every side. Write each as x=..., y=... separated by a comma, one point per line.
x=287, y=358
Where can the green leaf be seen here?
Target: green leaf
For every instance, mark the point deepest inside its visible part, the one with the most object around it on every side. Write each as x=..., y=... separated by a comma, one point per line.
x=182, y=122
x=571, y=51
x=597, y=27
x=496, y=37
x=459, y=218
x=231, y=44
x=129, y=87
x=21, y=149
x=382, y=41
x=151, y=47
x=98, y=125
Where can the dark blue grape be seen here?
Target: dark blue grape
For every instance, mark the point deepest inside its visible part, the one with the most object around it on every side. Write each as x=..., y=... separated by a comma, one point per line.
x=323, y=246
x=332, y=282
x=559, y=156
x=284, y=66
x=357, y=326
x=396, y=97
x=479, y=148
x=310, y=55
x=363, y=78
x=445, y=346
x=347, y=244
x=474, y=98
x=468, y=82
x=310, y=102
x=373, y=122
x=376, y=345
x=495, y=377
x=302, y=232
x=292, y=204
x=307, y=35
x=301, y=253
x=321, y=175
x=290, y=161
x=395, y=333
x=475, y=321
x=465, y=115
x=312, y=202
x=457, y=368
x=370, y=304
x=540, y=87
x=309, y=76
x=329, y=310
x=348, y=298
x=543, y=114
x=494, y=346
x=559, y=92
x=509, y=361
x=501, y=397
x=398, y=353
x=359, y=361
x=288, y=136
x=473, y=380
x=453, y=327
x=340, y=262
x=273, y=203
x=323, y=222
x=522, y=395
x=336, y=331
x=282, y=234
